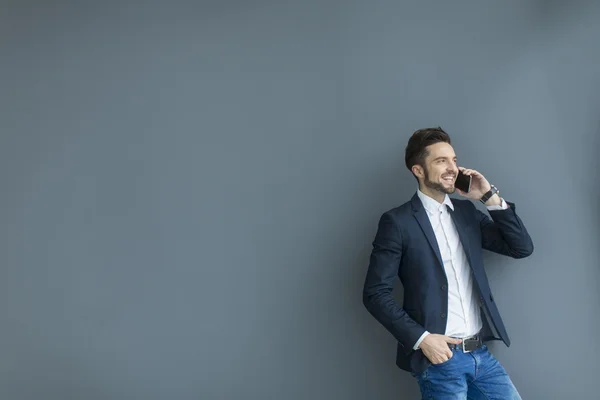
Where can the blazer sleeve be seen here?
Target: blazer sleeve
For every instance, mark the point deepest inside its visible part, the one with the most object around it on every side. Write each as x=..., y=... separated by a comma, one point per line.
x=504, y=233
x=385, y=260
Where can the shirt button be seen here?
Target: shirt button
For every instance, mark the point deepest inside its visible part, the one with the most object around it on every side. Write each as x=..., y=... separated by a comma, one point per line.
x=443, y=315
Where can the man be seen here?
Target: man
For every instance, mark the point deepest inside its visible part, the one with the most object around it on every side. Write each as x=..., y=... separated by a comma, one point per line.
x=433, y=244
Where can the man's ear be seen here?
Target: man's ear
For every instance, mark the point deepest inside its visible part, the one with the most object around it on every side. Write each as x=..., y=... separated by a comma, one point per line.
x=418, y=171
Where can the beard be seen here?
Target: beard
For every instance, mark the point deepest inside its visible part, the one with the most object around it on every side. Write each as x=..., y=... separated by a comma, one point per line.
x=436, y=185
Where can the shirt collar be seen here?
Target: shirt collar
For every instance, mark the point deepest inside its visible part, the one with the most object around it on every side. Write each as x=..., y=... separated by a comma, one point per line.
x=431, y=205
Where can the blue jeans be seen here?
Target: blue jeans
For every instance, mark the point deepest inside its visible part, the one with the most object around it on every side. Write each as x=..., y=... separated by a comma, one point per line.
x=467, y=376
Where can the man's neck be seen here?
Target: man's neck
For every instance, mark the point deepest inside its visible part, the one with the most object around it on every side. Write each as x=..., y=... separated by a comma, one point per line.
x=434, y=194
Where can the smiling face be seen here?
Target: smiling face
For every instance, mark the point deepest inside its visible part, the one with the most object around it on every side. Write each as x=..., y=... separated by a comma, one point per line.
x=438, y=174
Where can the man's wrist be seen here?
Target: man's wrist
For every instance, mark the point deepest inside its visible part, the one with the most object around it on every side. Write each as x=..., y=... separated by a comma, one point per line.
x=495, y=200
x=418, y=344
x=491, y=196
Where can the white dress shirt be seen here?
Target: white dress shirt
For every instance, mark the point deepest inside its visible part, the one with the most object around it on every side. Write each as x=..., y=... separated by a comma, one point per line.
x=464, y=317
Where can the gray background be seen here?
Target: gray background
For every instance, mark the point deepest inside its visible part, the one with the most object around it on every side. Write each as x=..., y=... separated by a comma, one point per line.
x=190, y=191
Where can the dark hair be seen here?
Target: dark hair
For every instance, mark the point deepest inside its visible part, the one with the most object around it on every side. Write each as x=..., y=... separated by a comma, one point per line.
x=416, y=149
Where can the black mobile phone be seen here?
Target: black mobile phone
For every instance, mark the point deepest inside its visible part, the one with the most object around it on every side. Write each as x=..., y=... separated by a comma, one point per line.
x=463, y=182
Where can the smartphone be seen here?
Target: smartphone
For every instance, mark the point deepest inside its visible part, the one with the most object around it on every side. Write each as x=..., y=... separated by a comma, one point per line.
x=463, y=182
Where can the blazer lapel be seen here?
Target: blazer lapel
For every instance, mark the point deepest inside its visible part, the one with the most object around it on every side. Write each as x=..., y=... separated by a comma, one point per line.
x=460, y=224
x=423, y=220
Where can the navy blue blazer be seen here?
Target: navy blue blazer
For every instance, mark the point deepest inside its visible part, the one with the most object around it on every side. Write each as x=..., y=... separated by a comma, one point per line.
x=405, y=247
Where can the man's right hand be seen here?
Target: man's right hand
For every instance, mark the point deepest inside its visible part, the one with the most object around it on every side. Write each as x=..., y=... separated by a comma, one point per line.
x=435, y=347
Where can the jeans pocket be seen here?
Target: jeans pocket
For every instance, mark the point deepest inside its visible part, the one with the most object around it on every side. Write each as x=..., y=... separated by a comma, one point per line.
x=443, y=364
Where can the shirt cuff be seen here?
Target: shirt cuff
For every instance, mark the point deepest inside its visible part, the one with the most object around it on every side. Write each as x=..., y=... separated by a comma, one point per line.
x=416, y=346
x=502, y=206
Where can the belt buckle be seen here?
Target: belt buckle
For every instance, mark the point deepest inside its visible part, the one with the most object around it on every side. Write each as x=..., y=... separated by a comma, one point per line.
x=469, y=344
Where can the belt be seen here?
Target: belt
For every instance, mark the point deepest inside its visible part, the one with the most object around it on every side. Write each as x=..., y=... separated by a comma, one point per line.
x=469, y=344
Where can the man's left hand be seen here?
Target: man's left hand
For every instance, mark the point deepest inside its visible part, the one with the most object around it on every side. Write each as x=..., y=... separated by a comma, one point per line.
x=479, y=187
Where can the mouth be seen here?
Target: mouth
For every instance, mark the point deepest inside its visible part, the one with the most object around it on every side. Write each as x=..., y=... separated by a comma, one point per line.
x=449, y=179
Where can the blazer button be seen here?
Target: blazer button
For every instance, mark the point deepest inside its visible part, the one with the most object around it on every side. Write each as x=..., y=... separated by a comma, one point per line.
x=443, y=315
x=443, y=287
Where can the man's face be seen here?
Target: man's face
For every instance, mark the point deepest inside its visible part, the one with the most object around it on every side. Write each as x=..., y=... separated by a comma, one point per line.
x=440, y=168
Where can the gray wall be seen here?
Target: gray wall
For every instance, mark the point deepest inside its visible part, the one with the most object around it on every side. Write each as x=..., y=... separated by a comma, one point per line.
x=190, y=192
